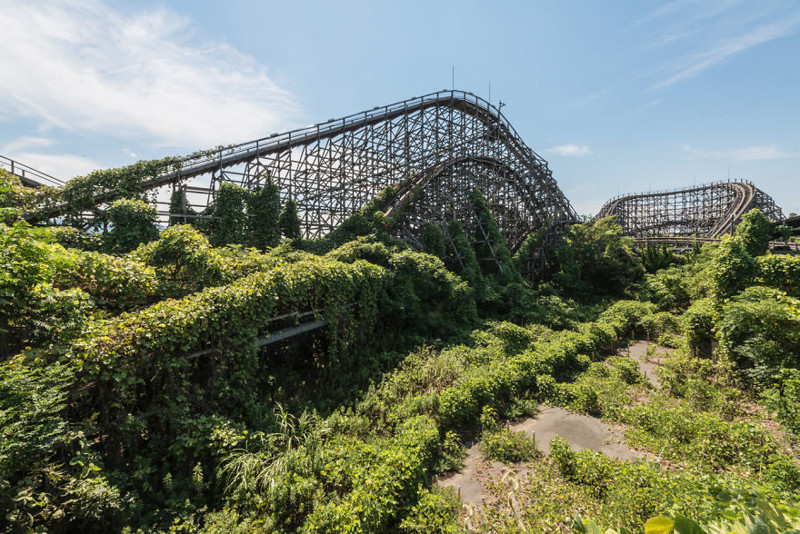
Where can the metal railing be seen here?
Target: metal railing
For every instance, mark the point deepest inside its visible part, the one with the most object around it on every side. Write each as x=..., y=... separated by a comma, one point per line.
x=30, y=177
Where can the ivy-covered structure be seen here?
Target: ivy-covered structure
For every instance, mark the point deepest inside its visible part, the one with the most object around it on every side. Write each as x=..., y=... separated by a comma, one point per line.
x=434, y=150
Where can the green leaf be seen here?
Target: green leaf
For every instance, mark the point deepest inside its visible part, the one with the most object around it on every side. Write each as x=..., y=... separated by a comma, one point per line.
x=684, y=525
x=659, y=525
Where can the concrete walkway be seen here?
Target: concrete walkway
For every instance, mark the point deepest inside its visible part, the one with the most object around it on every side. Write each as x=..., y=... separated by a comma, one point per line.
x=580, y=431
x=465, y=481
x=649, y=368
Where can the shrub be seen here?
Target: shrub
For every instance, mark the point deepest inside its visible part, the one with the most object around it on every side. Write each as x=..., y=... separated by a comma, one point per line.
x=784, y=399
x=732, y=268
x=264, y=220
x=699, y=326
x=596, y=259
x=433, y=240
x=290, y=221
x=754, y=232
x=760, y=331
x=780, y=272
x=507, y=446
x=436, y=512
x=133, y=222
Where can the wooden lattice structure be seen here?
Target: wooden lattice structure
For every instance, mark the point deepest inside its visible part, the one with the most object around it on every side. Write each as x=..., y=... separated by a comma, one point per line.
x=706, y=211
x=442, y=146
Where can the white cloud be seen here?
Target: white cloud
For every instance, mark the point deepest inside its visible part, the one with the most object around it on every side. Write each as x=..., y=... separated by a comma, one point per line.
x=569, y=150
x=25, y=143
x=83, y=66
x=750, y=153
x=722, y=50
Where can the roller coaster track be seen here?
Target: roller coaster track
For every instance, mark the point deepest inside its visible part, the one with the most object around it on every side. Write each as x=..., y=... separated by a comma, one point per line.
x=29, y=176
x=442, y=145
x=706, y=211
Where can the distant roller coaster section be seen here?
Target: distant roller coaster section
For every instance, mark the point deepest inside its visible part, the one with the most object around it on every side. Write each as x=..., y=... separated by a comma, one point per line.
x=442, y=145
x=706, y=211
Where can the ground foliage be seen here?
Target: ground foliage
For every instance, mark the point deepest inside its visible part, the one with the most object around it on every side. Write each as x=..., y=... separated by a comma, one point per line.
x=132, y=394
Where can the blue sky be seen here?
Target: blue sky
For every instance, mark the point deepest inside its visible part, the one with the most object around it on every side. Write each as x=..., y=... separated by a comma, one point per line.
x=617, y=96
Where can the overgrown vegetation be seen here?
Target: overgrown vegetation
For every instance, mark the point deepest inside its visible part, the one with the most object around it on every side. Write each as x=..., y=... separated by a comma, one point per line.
x=140, y=389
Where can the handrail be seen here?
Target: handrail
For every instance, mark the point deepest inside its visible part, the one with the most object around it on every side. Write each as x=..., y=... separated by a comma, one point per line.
x=30, y=177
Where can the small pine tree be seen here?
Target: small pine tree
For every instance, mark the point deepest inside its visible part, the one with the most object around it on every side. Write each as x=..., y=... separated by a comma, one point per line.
x=433, y=239
x=179, y=207
x=290, y=221
x=263, y=208
x=754, y=232
x=230, y=227
x=471, y=270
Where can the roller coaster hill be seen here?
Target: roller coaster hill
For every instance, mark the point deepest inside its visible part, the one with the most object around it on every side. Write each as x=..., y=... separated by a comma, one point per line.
x=434, y=151
x=684, y=217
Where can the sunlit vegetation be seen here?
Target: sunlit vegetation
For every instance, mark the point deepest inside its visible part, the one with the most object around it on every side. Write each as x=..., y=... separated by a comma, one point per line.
x=139, y=388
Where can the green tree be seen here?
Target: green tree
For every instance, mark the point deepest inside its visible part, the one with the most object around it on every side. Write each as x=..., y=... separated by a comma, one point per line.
x=595, y=258
x=731, y=269
x=179, y=207
x=433, y=239
x=132, y=222
x=468, y=268
x=492, y=243
x=754, y=232
x=656, y=257
x=783, y=232
x=263, y=209
x=230, y=225
x=290, y=221
x=760, y=331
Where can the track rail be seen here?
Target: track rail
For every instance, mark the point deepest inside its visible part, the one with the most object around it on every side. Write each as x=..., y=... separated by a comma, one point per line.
x=707, y=211
x=29, y=176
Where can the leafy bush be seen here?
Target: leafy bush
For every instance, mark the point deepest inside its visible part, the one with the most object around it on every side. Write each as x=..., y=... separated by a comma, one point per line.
x=754, y=232
x=668, y=289
x=290, y=221
x=508, y=446
x=784, y=399
x=596, y=259
x=433, y=240
x=264, y=221
x=760, y=331
x=230, y=223
x=732, y=268
x=435, y=513
x=699, y=326
x=180, y=211
x=780, y=272
x=133, y=222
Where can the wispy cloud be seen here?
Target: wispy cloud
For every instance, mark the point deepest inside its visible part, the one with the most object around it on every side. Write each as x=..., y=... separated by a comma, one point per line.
x=86, y=67
x=726, y=49
x=750, y=153
x=649, y=105
x=700, y=34
x=569, y=150
x=25, y=143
